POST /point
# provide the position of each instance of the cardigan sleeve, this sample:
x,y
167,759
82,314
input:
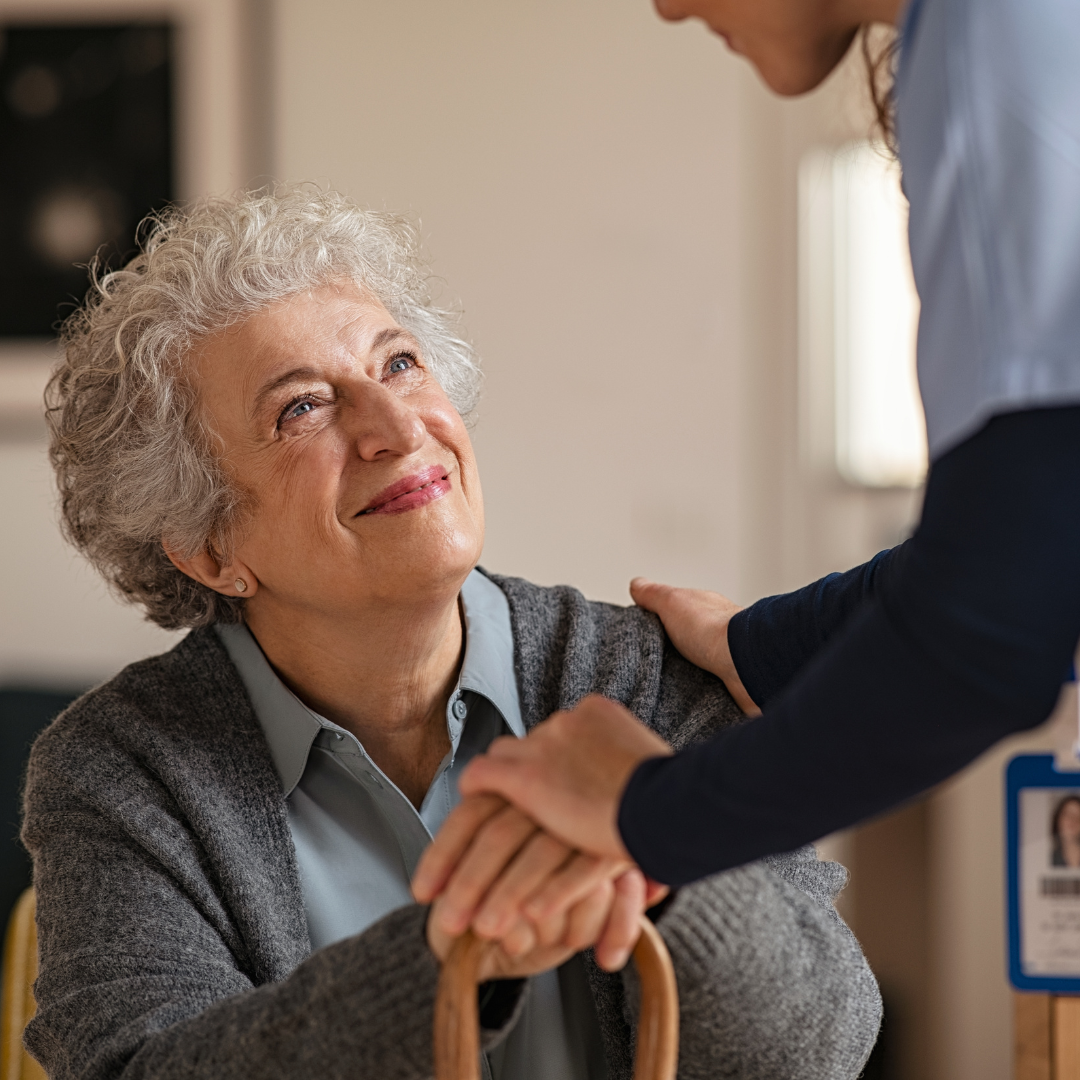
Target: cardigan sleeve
x,y
772,640
142,979
772,983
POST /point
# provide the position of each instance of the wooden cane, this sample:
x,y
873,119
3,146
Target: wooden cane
x,y
457,1025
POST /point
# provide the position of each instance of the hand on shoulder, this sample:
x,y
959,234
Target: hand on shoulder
x,y
697,620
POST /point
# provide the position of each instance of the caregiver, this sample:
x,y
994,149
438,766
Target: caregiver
x,y
878,683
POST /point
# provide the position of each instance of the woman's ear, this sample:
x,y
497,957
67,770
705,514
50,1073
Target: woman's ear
x,y
233,578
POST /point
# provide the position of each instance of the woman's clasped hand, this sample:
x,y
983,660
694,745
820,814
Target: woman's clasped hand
x,y
493,870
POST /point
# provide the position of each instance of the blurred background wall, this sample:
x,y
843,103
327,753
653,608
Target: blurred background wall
x,y
614,203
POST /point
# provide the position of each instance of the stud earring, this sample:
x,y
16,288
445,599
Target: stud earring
x,y
241,585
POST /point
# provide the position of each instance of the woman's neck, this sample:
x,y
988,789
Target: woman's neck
x,y
385,676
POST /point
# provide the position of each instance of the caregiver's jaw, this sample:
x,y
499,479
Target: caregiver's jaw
x,y
411,492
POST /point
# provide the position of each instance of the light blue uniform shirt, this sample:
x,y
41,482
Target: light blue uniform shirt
x,y
358,838
988,118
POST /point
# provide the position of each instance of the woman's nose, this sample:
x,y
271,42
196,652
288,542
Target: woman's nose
x,y
385,425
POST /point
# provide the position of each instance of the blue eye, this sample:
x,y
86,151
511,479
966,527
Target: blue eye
x,y
400,363
295,409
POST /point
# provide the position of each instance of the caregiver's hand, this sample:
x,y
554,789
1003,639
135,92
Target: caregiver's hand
x,y
697,623
491,868
569,773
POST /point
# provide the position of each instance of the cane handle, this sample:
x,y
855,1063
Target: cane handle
x,y
457,1024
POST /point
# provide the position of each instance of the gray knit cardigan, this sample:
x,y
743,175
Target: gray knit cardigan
x,y
172,931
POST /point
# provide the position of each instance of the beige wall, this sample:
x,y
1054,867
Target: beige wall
x,y
58,625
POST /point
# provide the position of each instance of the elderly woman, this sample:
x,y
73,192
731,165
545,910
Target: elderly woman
x,y
258,433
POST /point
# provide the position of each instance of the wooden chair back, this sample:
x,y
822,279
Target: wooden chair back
x,y
457,1032
17,1004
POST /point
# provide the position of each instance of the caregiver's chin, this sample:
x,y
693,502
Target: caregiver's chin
x,y
794,44
365,516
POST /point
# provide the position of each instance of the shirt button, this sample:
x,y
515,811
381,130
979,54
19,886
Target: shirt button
x,y
460,709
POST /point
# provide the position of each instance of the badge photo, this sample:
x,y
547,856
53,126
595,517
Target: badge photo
x,y
1043,838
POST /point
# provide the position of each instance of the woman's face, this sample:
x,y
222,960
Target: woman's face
x,y
794,44
1069,821
360,472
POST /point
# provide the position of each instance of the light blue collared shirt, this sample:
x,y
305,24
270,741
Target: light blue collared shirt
x,y
988,118
358,838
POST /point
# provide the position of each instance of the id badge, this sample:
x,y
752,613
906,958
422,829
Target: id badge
x,y
1043,811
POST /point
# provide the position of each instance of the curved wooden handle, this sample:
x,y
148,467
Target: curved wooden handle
x,y
457,1021
457,1024
657,1054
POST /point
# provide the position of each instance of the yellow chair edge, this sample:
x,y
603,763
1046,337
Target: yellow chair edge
x,y
16,996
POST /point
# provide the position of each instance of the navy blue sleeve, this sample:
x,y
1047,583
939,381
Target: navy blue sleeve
x,y
966,639
774,639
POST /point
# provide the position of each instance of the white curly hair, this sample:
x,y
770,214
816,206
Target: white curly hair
x,y
135,460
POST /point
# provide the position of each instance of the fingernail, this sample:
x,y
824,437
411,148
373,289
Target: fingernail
x,y
618,961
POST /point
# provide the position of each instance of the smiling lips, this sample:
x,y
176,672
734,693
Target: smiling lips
x,y
410,492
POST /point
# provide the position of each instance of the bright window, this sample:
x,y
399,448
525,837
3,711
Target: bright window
x,y
858,257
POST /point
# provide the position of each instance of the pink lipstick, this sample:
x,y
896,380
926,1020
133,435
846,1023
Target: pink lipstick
x,y
410,492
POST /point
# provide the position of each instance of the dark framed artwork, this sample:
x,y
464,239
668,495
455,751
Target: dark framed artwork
x,y
86,152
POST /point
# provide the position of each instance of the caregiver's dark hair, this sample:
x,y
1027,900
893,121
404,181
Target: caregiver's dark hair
x,y
880,46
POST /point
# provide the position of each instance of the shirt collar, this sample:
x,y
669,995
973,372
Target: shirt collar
x,y
488,667
291,727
